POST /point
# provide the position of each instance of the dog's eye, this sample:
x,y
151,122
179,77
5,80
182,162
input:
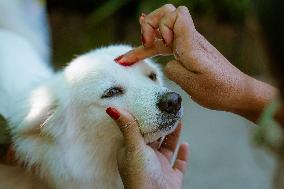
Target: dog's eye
x,y
153,76
111,92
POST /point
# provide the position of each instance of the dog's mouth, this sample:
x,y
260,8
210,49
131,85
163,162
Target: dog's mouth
x,y
161,131
151,133
163,125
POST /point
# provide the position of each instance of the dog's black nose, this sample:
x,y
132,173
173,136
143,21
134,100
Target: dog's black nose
x,y
170,103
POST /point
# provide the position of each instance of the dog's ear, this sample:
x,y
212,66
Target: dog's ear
x,y
42,106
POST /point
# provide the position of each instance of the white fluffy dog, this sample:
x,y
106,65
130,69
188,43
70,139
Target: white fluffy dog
x,y
60,128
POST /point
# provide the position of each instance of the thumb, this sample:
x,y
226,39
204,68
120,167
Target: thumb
x,y
121,163
129,128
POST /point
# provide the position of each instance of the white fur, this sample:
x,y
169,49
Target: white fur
x,y
21,69
61,127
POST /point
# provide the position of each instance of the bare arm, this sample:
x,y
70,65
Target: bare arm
x,y
199,68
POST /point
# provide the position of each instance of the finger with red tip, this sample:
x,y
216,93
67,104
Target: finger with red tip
x,y
140,53
128,127
121,60
113,113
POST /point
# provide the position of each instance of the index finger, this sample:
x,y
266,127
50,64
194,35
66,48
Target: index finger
x,y
139,53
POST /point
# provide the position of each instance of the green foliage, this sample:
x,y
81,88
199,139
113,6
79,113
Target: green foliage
x,y
106,10
232,11
227,24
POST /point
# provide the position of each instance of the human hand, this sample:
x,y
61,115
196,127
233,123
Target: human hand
x,y
199,68
17,177
141,166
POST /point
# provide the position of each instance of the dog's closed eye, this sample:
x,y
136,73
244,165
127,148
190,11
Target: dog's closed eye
x,y
153,76
112,92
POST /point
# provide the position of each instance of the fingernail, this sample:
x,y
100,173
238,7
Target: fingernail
x,y
122,62
113,113
118,59
126,63
142,39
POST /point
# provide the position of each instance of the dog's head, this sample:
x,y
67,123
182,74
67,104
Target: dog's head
x,y
66,116
96,82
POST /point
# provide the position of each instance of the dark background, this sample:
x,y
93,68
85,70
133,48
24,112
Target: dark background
x,y
230,25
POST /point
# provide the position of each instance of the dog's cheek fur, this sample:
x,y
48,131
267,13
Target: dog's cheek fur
x,y
63,138
35,134
89,153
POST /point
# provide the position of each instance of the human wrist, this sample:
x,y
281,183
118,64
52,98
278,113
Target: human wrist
x,y
256,95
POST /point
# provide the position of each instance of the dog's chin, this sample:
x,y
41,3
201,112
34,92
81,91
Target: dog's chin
x,y
159,132
166,125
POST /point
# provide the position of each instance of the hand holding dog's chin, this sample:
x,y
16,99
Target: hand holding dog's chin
x,y
141,166
148,169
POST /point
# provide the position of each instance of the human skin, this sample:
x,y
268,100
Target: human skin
x,y
15,177
201,70
143,166
198,67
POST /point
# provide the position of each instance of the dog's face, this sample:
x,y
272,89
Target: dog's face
x,y
66,130
96,82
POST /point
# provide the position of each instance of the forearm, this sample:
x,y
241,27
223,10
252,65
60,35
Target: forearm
x,y
256,96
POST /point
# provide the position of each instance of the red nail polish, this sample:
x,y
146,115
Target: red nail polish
x,y
118,58
142,39
125,63
113,113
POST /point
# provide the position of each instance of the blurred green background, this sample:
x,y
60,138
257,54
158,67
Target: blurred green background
x,y
230,25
